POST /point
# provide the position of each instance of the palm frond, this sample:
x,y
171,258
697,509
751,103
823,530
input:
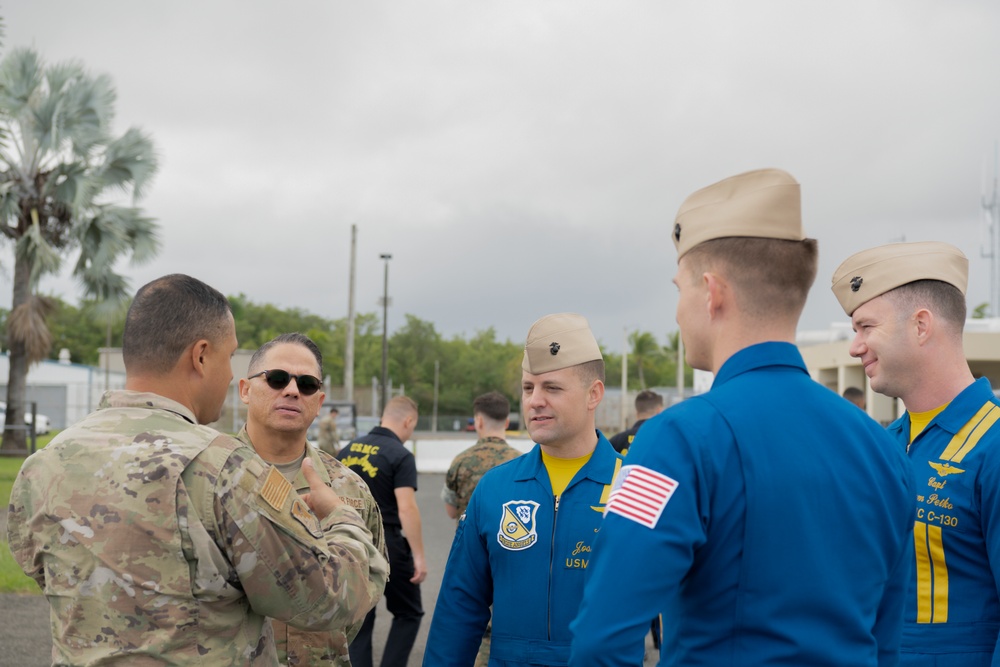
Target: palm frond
x,y
143,235
89,112
59,76
103,284
129,162
67,183
27,324
114,232
21,74
42,257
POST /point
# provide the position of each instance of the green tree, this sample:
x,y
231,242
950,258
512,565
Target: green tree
x,y
474,367
644,353
62,174
83,330
413,349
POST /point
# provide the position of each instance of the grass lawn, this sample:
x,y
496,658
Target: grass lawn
x,y
12,580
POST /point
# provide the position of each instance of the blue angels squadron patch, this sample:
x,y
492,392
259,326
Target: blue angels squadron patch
x,y
517,525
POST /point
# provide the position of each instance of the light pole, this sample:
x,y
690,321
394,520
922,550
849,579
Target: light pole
x,y
385,329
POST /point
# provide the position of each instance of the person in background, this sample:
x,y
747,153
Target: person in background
x,y
856,396
390,471
647,404
329,439
491,415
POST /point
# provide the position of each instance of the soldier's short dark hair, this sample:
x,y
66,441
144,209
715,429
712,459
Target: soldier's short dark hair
x,y
647,401
167,316
294,338
493,405
943,299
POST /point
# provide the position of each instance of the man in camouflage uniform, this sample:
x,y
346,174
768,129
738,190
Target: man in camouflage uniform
x,y
277,421
329,439
160,541
491,416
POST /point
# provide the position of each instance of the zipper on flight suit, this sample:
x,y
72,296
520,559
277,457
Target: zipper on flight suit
x,y
552,554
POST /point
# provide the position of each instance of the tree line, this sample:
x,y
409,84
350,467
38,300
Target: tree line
x,y
467,366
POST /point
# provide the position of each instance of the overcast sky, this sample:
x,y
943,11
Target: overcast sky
x,y
524,158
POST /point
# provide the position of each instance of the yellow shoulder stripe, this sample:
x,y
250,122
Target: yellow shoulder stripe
x,y
607,487
970,434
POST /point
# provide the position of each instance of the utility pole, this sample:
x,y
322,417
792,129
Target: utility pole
x,y
434,414
624,405
991,207
349,351
680,366
385,330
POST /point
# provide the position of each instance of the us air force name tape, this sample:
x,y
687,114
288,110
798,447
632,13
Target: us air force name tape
x,y
870,273
765,203
559,341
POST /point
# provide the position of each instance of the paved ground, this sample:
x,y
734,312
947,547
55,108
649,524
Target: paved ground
x,y
24,629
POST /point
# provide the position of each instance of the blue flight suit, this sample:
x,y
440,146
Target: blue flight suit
x,y
785,540
519,550
952,606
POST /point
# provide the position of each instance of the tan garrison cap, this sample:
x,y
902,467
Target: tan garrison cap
x,y
764,203
869,273
559,341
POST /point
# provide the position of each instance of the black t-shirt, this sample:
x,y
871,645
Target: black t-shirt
x,y
385,465
623,440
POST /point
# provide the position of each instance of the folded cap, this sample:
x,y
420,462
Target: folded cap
x,y
559,341
869,273
764,203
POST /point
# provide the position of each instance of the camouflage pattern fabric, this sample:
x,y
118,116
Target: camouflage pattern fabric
x,y
158,541
298,647
329,440
469,467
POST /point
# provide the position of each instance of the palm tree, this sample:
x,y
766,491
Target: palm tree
x,y
63,176
644,348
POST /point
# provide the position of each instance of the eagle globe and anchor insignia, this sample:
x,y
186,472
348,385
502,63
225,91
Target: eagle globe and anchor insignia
x,y
517,525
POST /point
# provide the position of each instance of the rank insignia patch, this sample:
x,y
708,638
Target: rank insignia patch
x,y
517,525
276,489
304,515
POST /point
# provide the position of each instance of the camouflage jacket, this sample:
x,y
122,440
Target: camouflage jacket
x,y
158,541
468,468
299,647
329,440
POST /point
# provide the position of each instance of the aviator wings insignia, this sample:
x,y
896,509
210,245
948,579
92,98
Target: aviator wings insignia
x,y
945,469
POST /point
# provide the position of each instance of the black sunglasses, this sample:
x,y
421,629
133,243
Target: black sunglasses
x,y
279,379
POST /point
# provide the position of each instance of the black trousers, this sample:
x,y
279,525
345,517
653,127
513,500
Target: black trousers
x,y
402,599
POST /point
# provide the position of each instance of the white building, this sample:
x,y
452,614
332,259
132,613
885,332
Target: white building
x,y
827,356
65,392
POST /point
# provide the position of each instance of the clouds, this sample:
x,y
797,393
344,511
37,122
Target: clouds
x,y
523,158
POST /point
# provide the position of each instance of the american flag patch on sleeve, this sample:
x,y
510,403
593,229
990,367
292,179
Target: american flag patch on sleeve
x,y
640,494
